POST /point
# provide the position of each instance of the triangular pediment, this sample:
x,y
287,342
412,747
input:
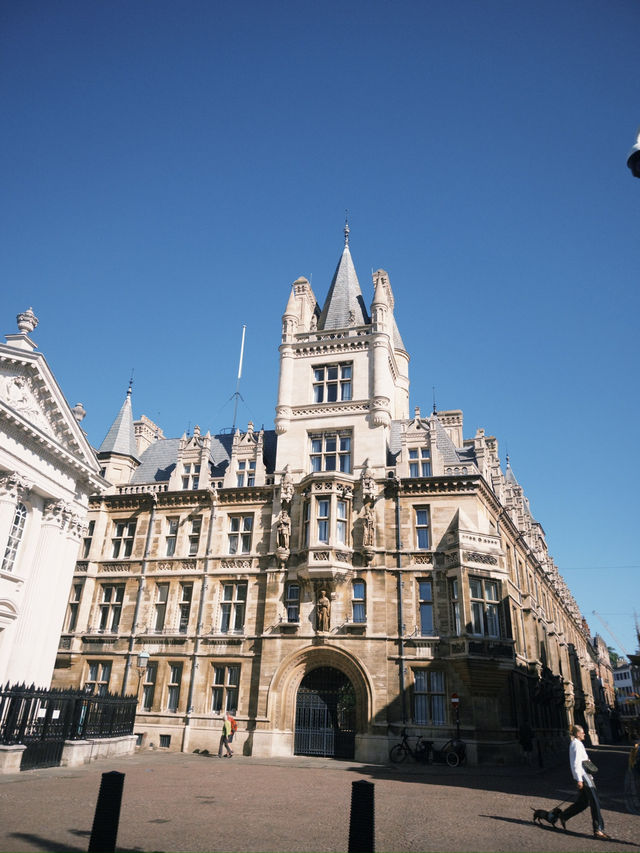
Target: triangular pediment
x,y
32,399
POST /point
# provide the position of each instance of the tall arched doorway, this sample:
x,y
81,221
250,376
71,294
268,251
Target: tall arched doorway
x,y
325,714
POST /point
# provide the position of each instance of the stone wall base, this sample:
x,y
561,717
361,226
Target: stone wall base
x,y
74,752
78,752
10,757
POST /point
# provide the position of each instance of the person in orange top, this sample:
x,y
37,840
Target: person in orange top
x,y
224,737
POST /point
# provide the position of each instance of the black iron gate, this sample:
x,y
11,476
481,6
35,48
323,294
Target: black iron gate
x,y
325,715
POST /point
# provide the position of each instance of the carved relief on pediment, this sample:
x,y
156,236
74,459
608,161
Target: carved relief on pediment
x,y
18,390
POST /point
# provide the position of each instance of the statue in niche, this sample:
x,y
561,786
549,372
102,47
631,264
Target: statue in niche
x,y
369,488
284,529
286,486
369,527
323,612
313,325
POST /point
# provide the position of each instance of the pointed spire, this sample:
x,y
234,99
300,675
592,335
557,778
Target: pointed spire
x,y
121,437
509,476
344,305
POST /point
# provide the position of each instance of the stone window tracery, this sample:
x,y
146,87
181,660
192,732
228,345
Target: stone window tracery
x,y
359,601
332,382
232,607
331,451
110,608
419,462
173,692
422,528
224,693
425,607
97,681
240,530
429,697
122,541
485,607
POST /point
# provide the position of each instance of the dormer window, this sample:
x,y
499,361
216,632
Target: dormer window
x,y
246,475
419,462
332,383
190,475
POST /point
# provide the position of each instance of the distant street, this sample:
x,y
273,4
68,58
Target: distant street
x,y
175,802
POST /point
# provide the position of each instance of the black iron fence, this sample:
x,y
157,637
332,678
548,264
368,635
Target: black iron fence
x,y
44,719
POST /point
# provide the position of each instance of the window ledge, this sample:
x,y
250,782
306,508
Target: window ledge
x,y
355,627
289,627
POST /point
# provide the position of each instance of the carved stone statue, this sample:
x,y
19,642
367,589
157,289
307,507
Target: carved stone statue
x,y
284,529
323,612
369,488
286,486
369,527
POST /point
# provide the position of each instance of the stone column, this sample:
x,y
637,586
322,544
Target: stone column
x,y
33,661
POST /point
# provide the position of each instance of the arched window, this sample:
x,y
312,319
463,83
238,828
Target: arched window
x,y
15,536
359,601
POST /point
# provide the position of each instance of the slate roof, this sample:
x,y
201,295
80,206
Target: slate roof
x,y
397,340
159,459
121,437
344,296
451,454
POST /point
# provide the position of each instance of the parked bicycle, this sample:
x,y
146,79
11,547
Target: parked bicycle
x,y
401,751
453,753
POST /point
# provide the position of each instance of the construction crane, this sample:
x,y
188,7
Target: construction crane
x,y
608,627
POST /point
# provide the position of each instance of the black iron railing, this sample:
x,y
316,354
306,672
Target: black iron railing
x,y
43,719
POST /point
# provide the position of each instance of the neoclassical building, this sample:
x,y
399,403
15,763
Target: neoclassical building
x,y
48,469
331,581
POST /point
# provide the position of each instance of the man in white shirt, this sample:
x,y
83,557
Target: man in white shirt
x,y
587,795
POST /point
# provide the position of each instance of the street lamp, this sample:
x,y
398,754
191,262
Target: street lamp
x,y
633,160
143,660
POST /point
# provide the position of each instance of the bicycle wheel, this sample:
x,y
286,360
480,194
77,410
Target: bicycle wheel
x,y
453,759
398,753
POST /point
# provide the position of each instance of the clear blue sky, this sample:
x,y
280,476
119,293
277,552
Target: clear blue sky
x,y
169,168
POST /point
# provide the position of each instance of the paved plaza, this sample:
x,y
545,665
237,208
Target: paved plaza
x,y
176,802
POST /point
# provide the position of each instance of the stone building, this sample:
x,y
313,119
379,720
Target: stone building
x,y
48,469
334,580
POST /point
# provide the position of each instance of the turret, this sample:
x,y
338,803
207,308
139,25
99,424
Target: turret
x,y
118,453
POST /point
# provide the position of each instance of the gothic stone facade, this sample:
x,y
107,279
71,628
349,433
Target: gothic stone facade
x,y
331,581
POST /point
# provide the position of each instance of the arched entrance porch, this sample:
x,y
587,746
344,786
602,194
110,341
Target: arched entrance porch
x,y
319,704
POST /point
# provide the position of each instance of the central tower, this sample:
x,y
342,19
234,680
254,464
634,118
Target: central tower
x,y
344,376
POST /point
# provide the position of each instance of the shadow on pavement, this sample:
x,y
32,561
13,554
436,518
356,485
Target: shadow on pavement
x,y
563,832
59,847
552,785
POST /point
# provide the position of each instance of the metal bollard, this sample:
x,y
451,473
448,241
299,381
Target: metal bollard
x,y
107,816
362,820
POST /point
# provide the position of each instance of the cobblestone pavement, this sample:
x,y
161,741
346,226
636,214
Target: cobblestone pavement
x,y
176,802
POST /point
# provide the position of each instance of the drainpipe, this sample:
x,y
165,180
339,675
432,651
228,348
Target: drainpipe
x,y
143,570
196,643
403,696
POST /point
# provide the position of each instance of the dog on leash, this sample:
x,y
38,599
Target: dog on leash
x,y
542,814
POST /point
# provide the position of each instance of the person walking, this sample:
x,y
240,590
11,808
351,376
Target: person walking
x,y
224,737
587,795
